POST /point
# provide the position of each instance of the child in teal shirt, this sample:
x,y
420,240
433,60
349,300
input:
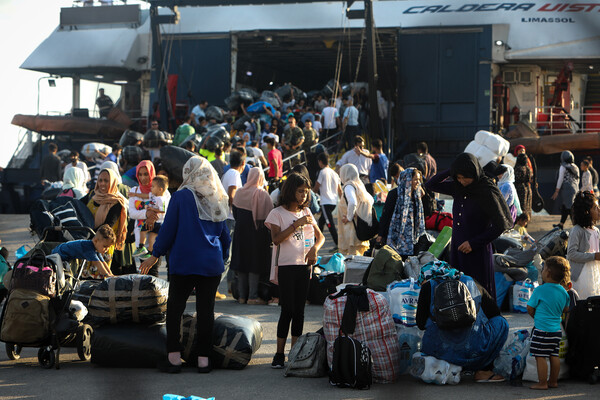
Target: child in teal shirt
x,y
546,306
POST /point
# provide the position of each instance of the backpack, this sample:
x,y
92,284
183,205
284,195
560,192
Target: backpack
x,y
453,306
35,273
553,243
386,267
26,318
352,364
308,357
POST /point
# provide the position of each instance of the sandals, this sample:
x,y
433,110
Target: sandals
x,y
499,378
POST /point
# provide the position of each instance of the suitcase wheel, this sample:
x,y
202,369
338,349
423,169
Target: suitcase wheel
x,y
84,341
13,351
46,357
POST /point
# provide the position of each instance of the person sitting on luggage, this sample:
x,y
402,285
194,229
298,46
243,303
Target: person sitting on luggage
x,y
546,306
521,226
472,347
402,221
90,250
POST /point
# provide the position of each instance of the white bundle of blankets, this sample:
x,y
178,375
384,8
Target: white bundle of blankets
x,y
488,147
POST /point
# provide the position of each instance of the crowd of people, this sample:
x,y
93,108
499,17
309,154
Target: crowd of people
x,y
251,222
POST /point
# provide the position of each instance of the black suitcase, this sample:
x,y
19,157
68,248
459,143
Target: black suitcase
x,y
583,329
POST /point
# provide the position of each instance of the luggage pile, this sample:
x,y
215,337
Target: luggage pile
x,y
487,146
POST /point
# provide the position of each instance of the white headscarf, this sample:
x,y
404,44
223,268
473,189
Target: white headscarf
x,y
74,179
506,184
349,176
114,167
200,178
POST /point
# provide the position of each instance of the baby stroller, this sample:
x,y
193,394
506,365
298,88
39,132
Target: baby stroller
x,y
42,287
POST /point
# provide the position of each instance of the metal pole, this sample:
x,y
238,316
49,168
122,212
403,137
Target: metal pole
x,y
157,64
374,122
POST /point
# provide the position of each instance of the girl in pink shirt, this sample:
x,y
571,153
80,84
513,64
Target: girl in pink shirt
x,y
297,240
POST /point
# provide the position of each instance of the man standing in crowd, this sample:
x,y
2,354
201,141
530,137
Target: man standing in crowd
x,y
320,103
183,131
351,127
430,163
104,103
50,168
198,111
310,136
379,168
293,137
331,121
115,154
275,160
357,157
328,185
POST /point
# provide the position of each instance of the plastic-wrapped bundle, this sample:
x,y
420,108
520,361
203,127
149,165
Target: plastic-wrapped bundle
x,y
154,138
284,91
216,113
93,151
195,138
432,370
240,123
510,363
235,339
129,345
243,96
133,155
84,290
129,298
173,158
130,138
270,97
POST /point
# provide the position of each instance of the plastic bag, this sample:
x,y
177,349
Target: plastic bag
x,y
334,264
522,292
510,363
588,283
130,138
409,339
530,372
404,296
432,370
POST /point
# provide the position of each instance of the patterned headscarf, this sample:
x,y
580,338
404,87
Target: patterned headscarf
x,y
106,201
408,221
200,178
438,270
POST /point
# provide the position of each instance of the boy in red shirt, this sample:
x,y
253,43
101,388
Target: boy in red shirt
x,y
275,160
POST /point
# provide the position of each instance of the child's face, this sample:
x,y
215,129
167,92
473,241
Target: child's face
x,y
583,167
302,194
157,190
101,244
522,222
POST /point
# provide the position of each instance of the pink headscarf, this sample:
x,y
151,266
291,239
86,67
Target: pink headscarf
x,y
150,168
253,197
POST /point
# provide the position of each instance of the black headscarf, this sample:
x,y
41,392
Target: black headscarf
x,y
483,190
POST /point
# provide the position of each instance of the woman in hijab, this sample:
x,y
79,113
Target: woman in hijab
x,y
480,216
567,186
250,255
138,198
195,237
523,180
123,189
402,221
507,188
74,184
109,207
356,201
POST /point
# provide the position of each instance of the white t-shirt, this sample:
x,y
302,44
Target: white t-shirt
x,y
293,250
198,112
317,126
329,181
161,203
362,163
231,178
329,115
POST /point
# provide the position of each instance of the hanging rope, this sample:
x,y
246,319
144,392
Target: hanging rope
x,y
362,41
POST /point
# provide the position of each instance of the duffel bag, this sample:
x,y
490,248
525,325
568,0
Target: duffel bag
x,y
35,272
84,290
438,220
129,298
26,318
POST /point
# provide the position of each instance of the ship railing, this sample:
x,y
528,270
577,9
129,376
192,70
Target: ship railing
x,y
555,120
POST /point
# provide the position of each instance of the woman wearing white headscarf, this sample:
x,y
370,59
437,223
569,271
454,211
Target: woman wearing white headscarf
x,y
567,186
195,235
356,201
74,183
506,184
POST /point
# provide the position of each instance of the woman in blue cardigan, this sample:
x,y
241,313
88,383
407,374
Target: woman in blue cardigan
x,y
195,235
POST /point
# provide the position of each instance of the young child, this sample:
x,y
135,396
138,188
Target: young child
x,y
521,227
297,240
586,177
546,305
157,201
90,250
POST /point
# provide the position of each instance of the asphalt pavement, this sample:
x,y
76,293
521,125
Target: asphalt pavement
x,y
77,380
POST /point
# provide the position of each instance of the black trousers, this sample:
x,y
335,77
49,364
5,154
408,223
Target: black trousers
x,y
180,287
564,214
293,290
328,209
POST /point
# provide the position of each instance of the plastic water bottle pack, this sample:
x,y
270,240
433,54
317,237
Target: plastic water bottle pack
x,y
510,363
431,370
409,338
403,297
522,292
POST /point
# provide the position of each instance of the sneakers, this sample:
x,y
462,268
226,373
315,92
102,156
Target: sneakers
x,y
278,361
145,256
140,251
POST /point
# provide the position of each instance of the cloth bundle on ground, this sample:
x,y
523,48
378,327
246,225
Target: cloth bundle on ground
x,y
487,147
154,139
130,138
553,243
62,211
409,340
374,326
129,345
413,264
84,289
95,151
129,298
235,339
386,267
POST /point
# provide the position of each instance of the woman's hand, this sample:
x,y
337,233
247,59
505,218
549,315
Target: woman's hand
x,y
465,247
311,257
151,216
147,264
344,219
555,194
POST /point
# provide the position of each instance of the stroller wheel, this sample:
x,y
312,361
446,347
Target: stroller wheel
x,y
84,341
13,351
46,358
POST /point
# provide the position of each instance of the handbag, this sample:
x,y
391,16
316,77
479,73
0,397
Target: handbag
x,y
364,231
